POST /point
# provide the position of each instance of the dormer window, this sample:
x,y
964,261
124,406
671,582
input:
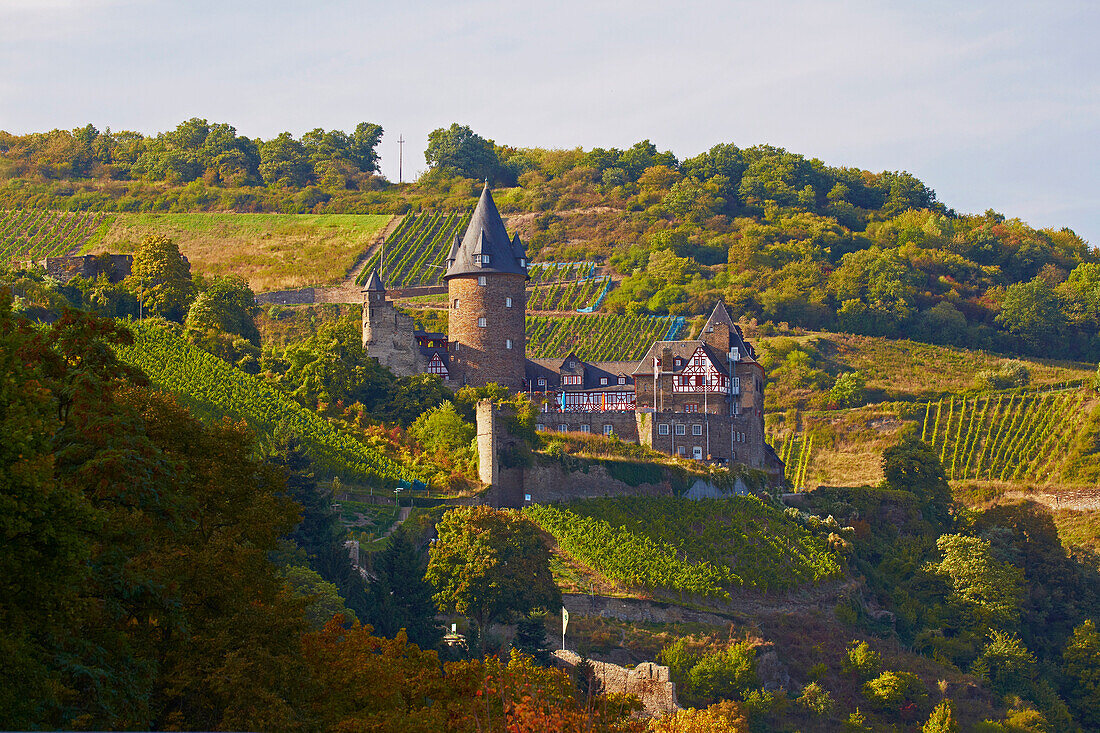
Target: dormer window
x,y
484,260
677,363
523,262
622,380
603,381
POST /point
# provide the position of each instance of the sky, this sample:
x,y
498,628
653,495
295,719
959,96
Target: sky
x,y
993,104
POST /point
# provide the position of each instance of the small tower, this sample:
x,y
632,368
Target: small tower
x,y
487,298
389,336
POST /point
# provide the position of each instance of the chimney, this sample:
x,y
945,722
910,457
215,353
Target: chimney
x,y
666,359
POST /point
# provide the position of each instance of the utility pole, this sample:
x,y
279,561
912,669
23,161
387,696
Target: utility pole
x,y
400,155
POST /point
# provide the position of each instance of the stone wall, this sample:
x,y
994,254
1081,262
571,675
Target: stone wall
x,y
649,682
388,336
63,269
302,296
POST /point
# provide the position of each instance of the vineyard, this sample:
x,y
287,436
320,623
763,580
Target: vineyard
x,y
571,295
417,250
796,452
212,389
599,337
1004,437
702,548
32,234
543,273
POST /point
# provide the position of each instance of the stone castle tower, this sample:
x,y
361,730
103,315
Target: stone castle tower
x,y
487,301
388,334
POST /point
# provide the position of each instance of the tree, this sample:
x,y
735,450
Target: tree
x,y
490,565
1032,312
403,598
942,719
1081,660
443,429
531,638
1006,664
324,598
161,278
912,465
460,151
849,390
226,304
986,587
284,160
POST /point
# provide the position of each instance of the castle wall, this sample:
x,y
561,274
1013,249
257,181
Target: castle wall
x,y
63,269
478,353
649,682
623,424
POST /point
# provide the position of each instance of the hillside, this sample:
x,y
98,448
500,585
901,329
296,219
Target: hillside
x,y
214,390
270,251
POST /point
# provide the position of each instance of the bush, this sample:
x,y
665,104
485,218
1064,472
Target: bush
x,y
1010,374
892,690
862,660
849,390
816,699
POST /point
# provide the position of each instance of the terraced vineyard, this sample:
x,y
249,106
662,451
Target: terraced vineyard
x,y
1004,438
571,295
31,234
598,337
212,389
417,250
702,548
542,273
796,451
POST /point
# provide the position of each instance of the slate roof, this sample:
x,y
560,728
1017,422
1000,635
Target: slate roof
x,y
552,369
684,350
485,235
374,283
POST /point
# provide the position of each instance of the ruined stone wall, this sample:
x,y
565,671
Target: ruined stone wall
x,y
649,682
302,296
63,269
388,337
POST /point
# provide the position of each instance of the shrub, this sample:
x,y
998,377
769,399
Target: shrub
x,y
1008,375
862,660
816,699
849,390
892,690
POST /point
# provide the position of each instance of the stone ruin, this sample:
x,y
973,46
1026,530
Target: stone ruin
x,y
649,682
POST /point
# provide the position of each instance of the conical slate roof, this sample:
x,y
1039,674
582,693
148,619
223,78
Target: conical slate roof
x,y
485,236
374,282
719,315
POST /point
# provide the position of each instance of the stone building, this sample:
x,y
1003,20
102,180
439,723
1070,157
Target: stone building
x,y
63,269
698,398
392,337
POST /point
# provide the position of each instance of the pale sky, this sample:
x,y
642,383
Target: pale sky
x,y
994,104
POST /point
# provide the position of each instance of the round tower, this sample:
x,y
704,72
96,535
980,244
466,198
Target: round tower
x,y
487,302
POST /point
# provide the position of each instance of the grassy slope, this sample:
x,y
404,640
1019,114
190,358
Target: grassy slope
x,y
271,251
214,390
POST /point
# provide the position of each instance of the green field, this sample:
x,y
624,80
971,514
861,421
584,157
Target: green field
x,y
212,390
417,249
701,548
270,251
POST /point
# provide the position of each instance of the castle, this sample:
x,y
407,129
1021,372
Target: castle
x,y
698,398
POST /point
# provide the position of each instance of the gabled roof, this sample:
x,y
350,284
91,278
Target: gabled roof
x,y
374,283
485,235
683,350
719,315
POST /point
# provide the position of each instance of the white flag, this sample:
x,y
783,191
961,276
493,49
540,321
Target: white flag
x,y
564,619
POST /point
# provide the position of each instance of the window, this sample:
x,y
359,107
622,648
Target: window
x,y
507,343
523,262
662,429
680,429
563,428
456,345
622,380
697,452
691,407
480,279
484,260
679,450
586,428
603,381
696,429
507,302
539,426
481,323
737,407
456,304
572,364
677,362
571,379
542,381
608,429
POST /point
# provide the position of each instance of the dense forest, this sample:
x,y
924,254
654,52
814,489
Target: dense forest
x,y
782,237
